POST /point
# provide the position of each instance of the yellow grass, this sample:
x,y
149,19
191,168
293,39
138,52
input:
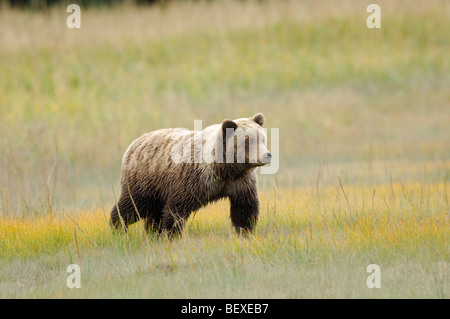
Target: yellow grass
x,y
309,233
399,216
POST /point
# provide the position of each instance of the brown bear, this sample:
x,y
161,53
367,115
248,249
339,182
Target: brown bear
x,y
169,173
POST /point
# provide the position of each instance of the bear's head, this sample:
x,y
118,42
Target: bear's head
x,y
245,141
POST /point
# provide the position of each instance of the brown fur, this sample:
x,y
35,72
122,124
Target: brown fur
x,y
165,193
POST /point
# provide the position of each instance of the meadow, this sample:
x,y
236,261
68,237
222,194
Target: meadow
x,y
363,114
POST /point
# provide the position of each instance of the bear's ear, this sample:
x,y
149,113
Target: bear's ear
x,y
259,119
228,124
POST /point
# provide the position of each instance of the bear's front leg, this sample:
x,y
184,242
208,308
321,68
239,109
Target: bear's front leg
x,y
244,210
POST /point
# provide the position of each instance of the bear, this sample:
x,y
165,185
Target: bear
x,y
170,173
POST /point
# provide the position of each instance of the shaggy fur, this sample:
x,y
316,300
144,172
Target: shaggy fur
x,y
165,193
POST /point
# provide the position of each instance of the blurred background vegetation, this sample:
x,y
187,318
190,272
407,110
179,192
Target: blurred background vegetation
x,y
45,4
368,105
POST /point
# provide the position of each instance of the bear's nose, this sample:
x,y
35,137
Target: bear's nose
x,y
268,157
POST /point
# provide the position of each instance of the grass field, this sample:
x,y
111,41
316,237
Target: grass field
x,y
364,125
308,245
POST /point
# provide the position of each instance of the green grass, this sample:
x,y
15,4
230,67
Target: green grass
x,y
367,107
305,245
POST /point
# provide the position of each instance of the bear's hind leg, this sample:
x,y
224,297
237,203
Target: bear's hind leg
x,y
126,212
172,222
153,223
